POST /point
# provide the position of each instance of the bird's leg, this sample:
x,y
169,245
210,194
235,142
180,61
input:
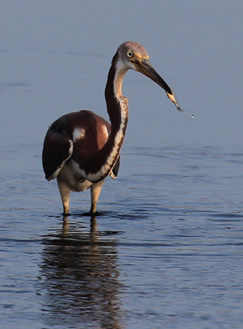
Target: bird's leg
x,y
65,195
95,193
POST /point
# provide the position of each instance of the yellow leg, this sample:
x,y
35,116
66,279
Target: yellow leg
x,y
65,196
95,193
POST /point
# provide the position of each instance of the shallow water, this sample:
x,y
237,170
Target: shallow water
x,y
166,252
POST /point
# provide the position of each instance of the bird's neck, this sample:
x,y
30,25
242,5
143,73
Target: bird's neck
x,y
117,108
117,104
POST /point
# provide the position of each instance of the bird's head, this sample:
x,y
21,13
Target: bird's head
x,y
133,55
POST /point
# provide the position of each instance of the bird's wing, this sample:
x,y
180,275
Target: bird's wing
x,y
58,148
80,135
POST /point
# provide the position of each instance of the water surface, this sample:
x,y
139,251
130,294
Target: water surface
x,y
165,253
167,250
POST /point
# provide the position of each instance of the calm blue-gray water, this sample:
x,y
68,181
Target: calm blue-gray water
x,y
166,252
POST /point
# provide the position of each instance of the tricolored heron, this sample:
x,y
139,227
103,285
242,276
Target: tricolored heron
x,y
81,148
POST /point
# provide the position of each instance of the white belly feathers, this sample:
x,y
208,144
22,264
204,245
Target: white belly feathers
x,y
71,176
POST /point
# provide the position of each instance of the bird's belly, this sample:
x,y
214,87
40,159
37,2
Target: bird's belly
x,y
71,177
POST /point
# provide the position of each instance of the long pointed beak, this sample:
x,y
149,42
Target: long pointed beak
x,y
147,69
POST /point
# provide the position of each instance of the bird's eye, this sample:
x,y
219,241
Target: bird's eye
x,y
130,53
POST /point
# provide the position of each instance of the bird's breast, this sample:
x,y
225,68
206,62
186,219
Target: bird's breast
x,y
73,177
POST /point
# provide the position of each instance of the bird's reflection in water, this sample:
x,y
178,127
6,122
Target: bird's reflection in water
x,y
79,278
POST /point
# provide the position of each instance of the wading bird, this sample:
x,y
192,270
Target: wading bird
x,y
81,148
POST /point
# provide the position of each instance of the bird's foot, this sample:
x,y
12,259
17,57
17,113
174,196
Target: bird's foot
x,y
66,214
92,214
